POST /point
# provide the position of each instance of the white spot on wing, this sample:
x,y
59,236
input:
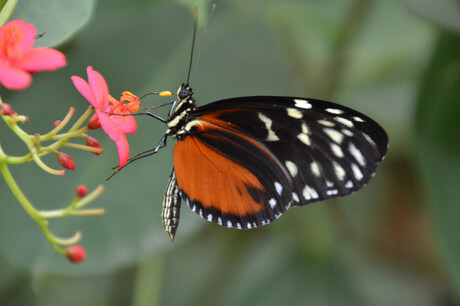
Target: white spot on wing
x,y
349,184
369,139
334,111
219,221
268,125
300,103
347,132
332,192
305,129
326,123
357,172
249,226
359,119
209,217
336,150
292,168
238,225
344,121
334,135
304,138
272,203
315,169
279,188
339,171
295,197
357,154
294,113
309,193
229,223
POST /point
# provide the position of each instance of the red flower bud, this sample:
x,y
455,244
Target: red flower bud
x,y
75,253
65,161
93,122
81,191
92,142
57,122
5,109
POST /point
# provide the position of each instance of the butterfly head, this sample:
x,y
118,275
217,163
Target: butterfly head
x,y
180,109
184,92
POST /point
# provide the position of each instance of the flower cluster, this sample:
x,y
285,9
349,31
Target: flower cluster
x,y
97,93
18,61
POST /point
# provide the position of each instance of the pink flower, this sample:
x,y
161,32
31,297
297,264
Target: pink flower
x,y
97,93
18,60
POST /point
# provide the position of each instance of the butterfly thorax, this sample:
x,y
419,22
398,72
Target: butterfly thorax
x,y
179,116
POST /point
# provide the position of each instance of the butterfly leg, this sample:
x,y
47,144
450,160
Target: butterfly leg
x,y
161,144
171,206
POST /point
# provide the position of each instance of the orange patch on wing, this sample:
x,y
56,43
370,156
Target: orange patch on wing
x,y
214,180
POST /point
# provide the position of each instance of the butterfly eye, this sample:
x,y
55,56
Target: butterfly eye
x,y
185,93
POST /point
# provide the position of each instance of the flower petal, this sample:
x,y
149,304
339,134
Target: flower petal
x,y
127,124
109,127
123,150
14,78
83,87
99,86
37,59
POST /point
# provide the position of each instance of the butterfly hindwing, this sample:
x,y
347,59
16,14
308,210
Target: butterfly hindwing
x,y
229,178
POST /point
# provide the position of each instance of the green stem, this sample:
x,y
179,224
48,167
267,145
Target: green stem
x,y
60,126
66,241
82,119
45,167
28,207
65,213
84,148
90,197
65,137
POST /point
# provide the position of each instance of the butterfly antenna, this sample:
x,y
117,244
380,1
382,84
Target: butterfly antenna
x,y
195,22
213,7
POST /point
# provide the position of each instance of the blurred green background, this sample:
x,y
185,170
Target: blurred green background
x,y
396,242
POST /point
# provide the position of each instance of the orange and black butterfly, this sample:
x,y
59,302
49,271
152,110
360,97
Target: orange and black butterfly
x,y
242,162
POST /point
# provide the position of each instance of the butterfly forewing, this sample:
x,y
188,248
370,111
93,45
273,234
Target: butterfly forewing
x,y
325,150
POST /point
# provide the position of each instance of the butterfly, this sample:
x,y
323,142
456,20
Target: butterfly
x,y
242,162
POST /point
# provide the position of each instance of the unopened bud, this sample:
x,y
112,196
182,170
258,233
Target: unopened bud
x,y
66,161
93,122
81,191
75,253
57,123
5,109
92,142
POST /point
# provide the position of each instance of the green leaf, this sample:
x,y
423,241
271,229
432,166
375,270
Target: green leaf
x,y
60,20
438,144
7,7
